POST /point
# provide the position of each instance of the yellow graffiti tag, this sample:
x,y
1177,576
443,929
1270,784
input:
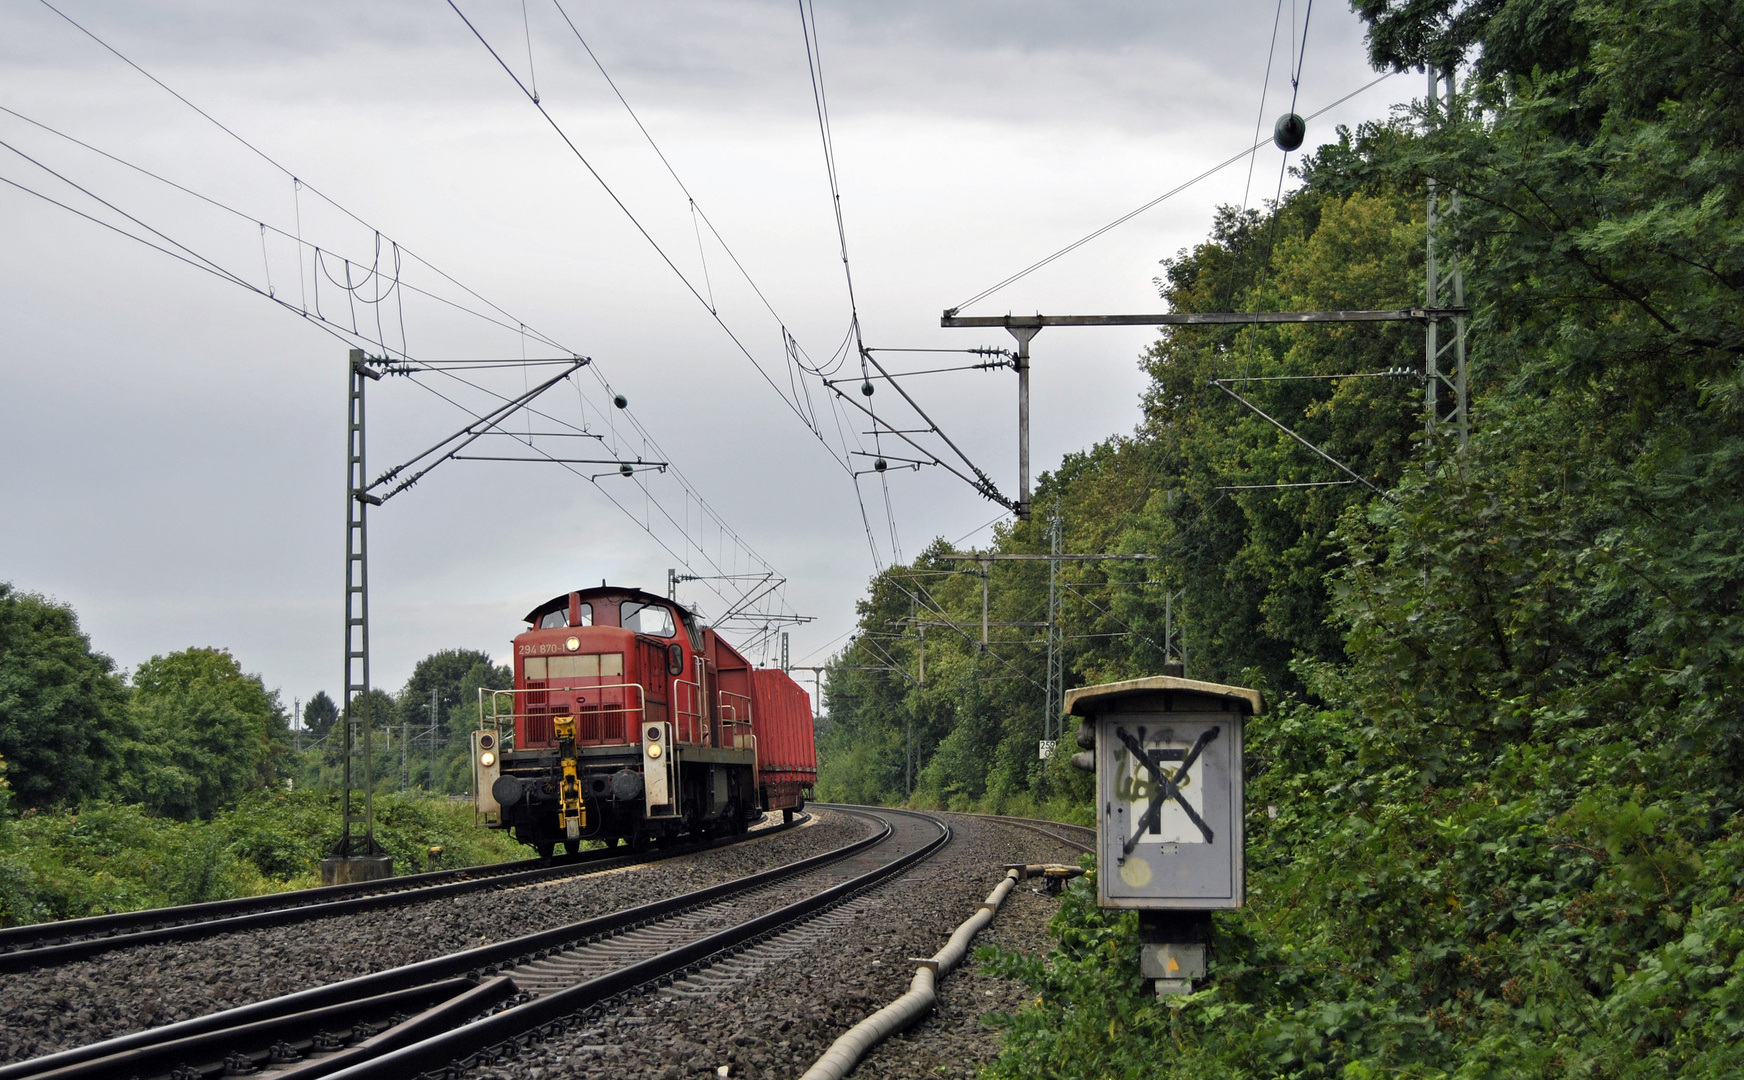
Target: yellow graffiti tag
x,y
1139,789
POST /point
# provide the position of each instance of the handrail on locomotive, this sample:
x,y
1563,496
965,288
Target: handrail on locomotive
x,y
492,720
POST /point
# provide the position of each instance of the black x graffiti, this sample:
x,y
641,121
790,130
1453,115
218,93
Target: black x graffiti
x,y
1165,788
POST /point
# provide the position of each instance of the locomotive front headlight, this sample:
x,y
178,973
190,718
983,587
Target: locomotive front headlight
x,y
487,759
654,750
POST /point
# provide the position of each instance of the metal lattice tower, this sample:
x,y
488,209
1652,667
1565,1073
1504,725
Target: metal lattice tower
x,y
1436,280
352,843
1054,706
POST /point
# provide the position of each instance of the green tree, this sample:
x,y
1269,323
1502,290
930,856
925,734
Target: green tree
x,y
323,765
445,673
1508,839
208,733
63,724
454,768
1190,486
320,714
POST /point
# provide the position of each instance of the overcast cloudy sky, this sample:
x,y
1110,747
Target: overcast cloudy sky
x,y
173,444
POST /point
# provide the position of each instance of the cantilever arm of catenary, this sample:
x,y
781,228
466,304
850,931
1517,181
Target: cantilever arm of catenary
x,y
470,433
1334,461
980,482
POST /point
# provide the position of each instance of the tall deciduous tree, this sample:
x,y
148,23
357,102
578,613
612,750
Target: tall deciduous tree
x,y
62,716
208,733
444,672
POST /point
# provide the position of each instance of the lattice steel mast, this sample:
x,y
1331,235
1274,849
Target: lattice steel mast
x,y
356,682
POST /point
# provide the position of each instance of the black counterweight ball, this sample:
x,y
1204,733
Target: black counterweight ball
x,y
1290,132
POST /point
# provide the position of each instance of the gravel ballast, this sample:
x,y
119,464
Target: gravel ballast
x,y
780,1019
148,986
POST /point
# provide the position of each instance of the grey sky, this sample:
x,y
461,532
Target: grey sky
x,y
173,445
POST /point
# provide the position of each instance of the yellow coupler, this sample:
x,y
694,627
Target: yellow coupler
x,y
571,813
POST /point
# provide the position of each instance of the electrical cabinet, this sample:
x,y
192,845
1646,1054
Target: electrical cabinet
x,y
1168,761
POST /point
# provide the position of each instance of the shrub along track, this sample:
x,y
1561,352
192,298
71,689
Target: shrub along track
x,y
45,944
402,1021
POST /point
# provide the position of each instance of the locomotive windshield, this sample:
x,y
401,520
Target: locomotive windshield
x,y
652,619
557,620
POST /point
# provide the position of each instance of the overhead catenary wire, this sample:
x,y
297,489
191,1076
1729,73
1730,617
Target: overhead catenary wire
x,y
697,209
814,63
711,560
793,400
1265,88
1299,57
376,280
798,394
640,228
1159,200
814,67
820,102
298,184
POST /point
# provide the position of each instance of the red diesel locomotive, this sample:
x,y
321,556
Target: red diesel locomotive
x,y
630,720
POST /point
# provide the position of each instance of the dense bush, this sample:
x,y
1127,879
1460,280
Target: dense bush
x,y
1519,921
108,857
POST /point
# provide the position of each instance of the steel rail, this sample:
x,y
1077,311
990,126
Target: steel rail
x,y
482,1038
1043,826
43,944
325,1007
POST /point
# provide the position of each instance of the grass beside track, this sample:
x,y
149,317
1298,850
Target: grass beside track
x,y
103,858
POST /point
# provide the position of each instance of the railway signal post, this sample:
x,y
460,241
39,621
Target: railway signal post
x,y
1167,753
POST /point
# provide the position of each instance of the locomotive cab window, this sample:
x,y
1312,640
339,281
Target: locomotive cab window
x,y
557,620
652,619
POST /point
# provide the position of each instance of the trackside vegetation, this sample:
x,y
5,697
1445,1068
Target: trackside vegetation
x,y
182,781
104,857
1504,750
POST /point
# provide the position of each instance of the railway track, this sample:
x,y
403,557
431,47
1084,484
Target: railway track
x,y
472,1005
1082,837
47,944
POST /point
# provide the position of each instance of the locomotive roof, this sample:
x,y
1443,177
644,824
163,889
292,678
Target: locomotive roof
x,y
622,591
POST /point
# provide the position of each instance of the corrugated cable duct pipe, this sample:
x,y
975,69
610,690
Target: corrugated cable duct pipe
x,y
847,1051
